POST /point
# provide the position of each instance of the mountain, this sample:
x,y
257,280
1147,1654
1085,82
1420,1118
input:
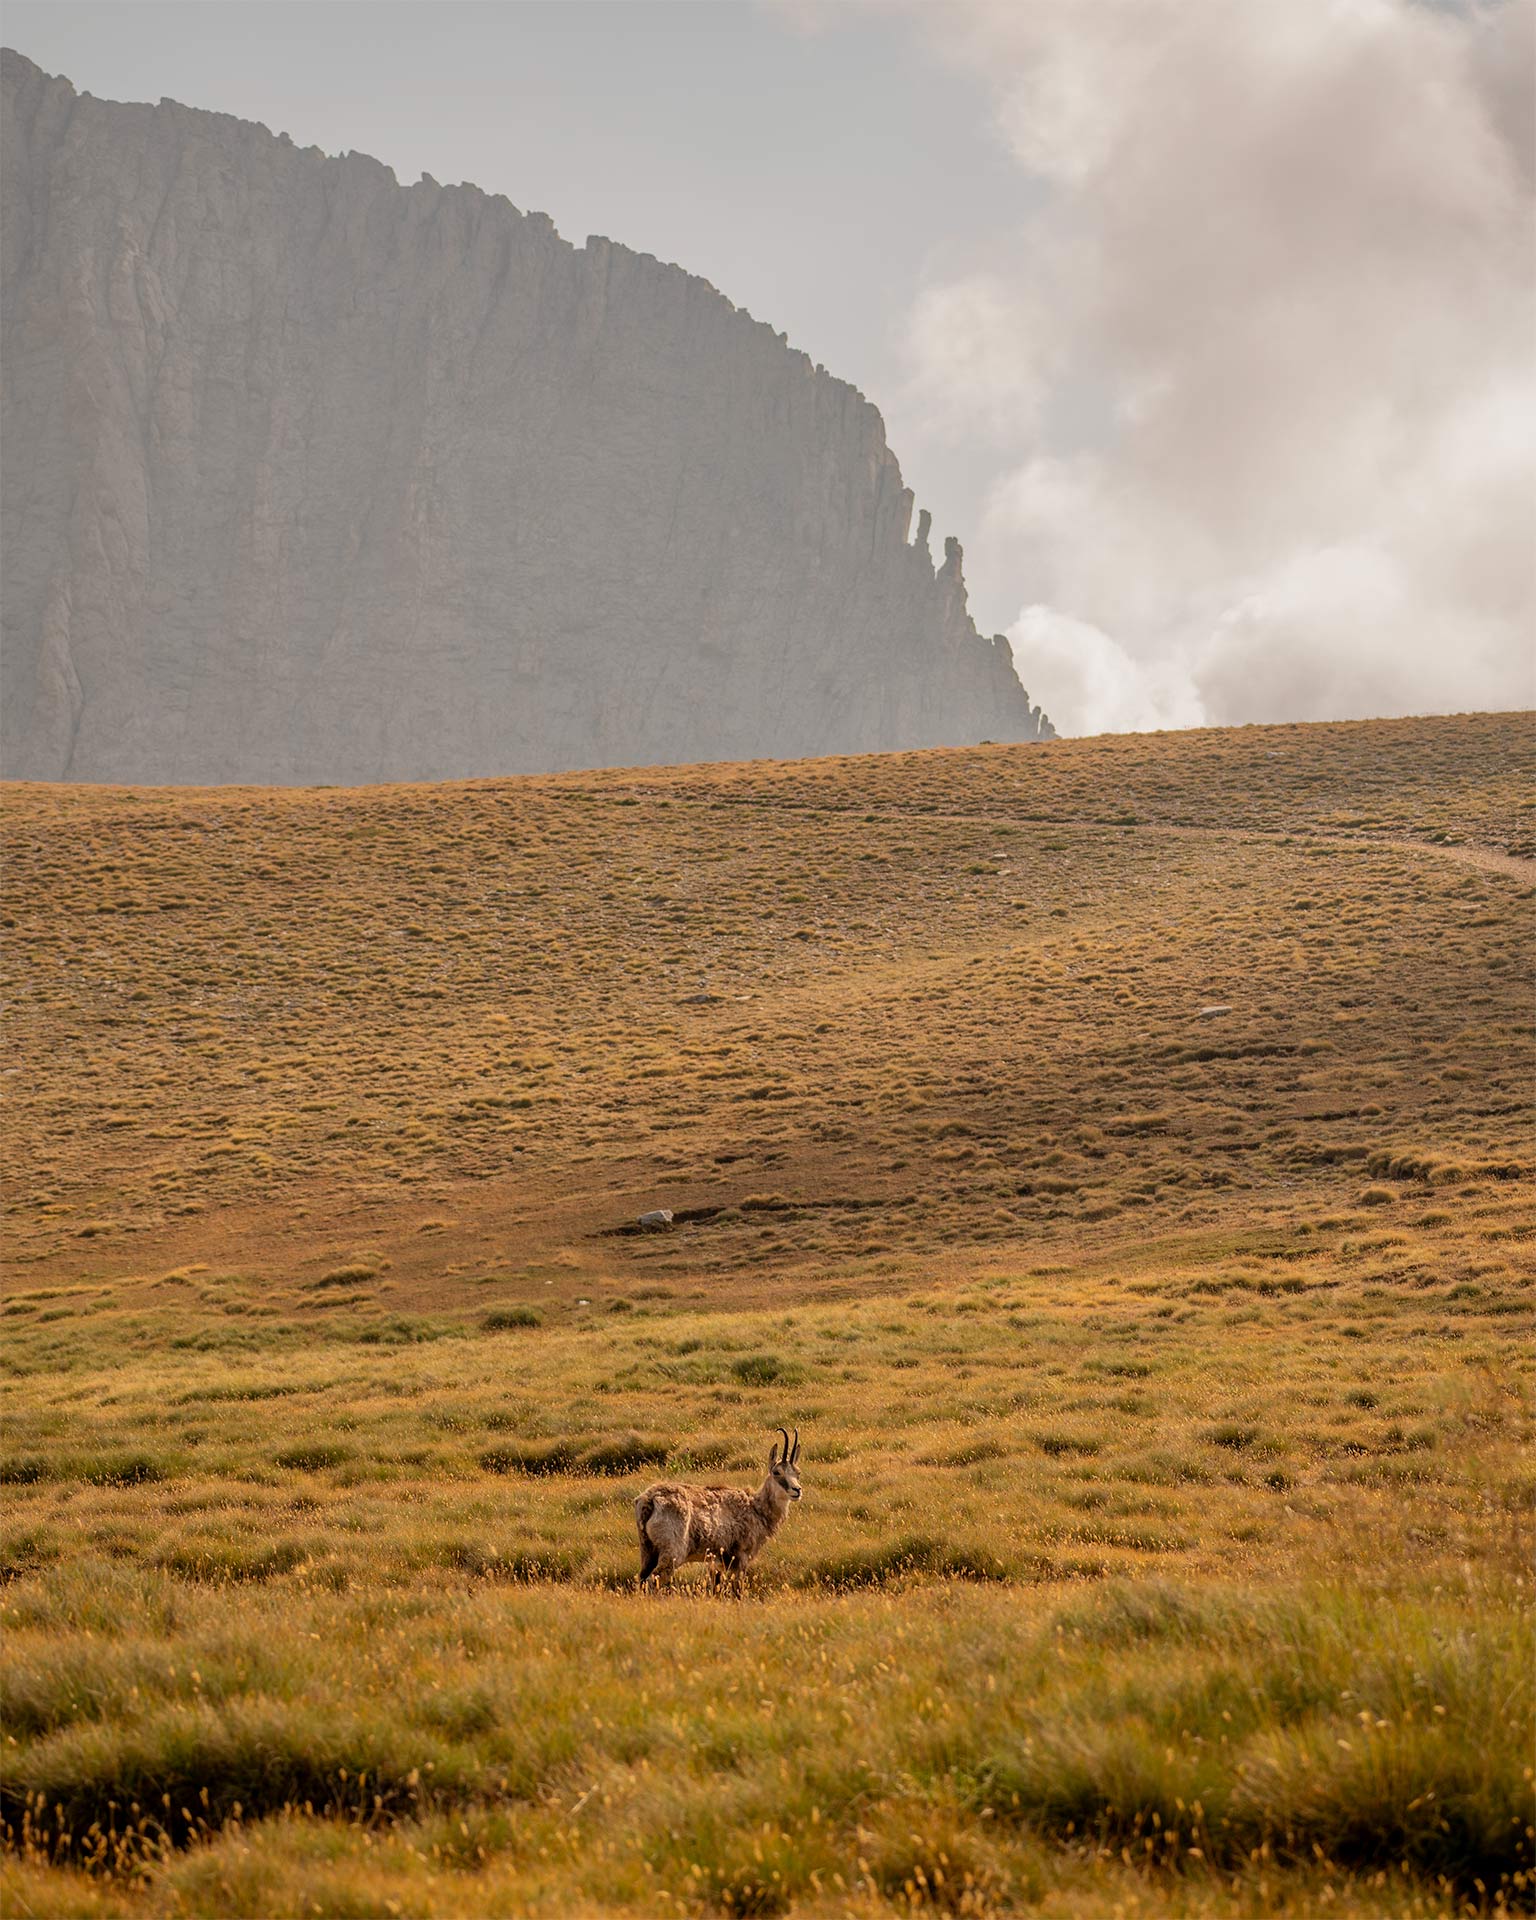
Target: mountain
x,y
313,477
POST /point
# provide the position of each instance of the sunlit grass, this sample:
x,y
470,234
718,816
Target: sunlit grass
x,y
1080,1584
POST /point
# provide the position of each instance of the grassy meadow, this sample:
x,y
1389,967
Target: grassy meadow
x,y
1114,1157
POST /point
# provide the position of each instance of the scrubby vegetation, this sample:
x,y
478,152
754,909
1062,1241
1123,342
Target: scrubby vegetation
x,y
1136,1225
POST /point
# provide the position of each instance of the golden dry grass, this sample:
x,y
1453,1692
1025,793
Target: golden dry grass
x,y
477,1025
1164,1371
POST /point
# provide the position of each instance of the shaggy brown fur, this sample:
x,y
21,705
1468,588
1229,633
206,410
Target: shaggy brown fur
x,y
729,1526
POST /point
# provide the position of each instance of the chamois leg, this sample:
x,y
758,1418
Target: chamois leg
x,y
663,1544
663,1568
645,1510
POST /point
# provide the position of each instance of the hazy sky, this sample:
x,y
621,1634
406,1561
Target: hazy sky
x,y
1205,324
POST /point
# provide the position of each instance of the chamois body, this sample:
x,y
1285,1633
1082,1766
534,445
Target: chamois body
x,y
728,1526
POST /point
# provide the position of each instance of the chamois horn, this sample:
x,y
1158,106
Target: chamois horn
x,y
795,1450
785,1455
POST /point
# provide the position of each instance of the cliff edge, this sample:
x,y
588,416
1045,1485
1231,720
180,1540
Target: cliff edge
x,y
310,476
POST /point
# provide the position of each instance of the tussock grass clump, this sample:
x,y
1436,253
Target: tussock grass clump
x,y
556,1456
240,1390
1322,1732
92,1469
702,1455
969,1453
186,1769
313,1456
763,1370
400,1330
225,1562
1128,1615
505,1319
627,1453
1063,1446
346,1276
901,1559
1139,1123
473,1557
932,1859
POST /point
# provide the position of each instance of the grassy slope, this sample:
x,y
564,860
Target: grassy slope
x,y
1163,1375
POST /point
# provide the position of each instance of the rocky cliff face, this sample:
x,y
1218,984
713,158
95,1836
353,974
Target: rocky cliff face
x,y
309,476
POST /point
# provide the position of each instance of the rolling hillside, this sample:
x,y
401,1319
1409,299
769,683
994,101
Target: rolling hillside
x,y
833,1010
1114,1157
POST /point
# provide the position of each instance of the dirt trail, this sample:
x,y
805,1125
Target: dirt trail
x,y
1486,859
1483,857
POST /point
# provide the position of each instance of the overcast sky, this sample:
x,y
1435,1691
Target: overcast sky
x,y
1206,325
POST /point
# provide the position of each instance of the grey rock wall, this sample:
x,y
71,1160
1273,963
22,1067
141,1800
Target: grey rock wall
x,y
309,476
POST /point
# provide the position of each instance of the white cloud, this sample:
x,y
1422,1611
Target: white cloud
x,y
1077,669
979,354
1292,244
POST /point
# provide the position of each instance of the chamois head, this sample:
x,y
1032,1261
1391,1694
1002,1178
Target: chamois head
x,y
783,1468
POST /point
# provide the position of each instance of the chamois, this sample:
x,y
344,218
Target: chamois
x,y
728,1525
